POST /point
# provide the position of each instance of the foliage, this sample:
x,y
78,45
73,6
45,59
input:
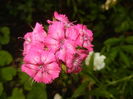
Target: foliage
x,y
112,37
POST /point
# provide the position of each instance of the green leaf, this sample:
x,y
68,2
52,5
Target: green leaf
x,y
1,88
113,53
4,35
25,80
129,39
80,90
112,41
124,58
38,92
124,26
28,85
91,64
23,77
92,77
101,92
127,48
3,95
5,58
17,94
8,73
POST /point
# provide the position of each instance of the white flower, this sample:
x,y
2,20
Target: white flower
x,y
57,96
98,60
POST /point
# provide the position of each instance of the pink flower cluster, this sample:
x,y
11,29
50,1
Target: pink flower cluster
x,y
63,43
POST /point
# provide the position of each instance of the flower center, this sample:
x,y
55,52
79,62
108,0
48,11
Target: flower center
x,y
43,68
45,48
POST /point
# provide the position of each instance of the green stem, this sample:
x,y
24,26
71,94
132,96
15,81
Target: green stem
x,y
120,80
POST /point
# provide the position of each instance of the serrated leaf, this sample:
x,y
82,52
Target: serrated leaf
x,y
8,73
80,90
5,58
17,94
4,35
1,88
38,92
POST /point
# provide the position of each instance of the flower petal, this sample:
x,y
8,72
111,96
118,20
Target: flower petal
x,y
61,17
56,30
33,57
38,33
29,69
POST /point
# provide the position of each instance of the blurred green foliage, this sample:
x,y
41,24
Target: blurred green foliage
x,y
113,37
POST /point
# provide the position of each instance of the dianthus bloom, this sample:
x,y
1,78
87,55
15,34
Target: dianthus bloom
x,y
98,60
63,43
42,66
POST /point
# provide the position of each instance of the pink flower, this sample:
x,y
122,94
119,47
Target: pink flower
x,y
32,46
41,66
63,43
35,39
28,38
61,17
38,33
58,42
85,37
56,30
74,62
66,49
72,33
